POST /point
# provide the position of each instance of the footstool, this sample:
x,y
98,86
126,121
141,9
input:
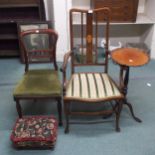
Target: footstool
x,y
35,131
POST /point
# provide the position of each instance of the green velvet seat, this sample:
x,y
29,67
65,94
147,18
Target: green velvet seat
x,y
39,83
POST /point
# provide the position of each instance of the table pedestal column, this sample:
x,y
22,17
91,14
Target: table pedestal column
x,y
124,79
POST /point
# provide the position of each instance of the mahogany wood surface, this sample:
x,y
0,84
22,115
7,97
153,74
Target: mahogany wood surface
x,y
130,57
121,10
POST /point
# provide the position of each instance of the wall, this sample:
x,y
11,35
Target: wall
x,y
85,3
61,12
58,9
150,8
141,6
150,12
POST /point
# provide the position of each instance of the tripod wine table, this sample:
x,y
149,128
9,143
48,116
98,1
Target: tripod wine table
x,y
126,58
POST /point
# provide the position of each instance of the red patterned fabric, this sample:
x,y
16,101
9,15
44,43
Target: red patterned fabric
x,y
35,131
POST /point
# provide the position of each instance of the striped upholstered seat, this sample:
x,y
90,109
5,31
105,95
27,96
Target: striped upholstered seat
x,y
92,86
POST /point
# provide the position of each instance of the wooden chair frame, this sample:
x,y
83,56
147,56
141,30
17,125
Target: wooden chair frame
x,y
89,62
53,60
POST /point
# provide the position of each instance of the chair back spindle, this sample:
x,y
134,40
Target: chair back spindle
x,y
86,50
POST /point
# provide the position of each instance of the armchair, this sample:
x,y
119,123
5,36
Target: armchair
x,y
89,87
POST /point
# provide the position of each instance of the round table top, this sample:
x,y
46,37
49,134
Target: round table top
x,y
130,56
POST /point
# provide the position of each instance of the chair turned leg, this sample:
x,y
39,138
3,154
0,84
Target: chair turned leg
x,y
19,109
59,107
66,111
118,111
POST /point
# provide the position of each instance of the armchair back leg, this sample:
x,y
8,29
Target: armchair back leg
x,y
118,112
67,113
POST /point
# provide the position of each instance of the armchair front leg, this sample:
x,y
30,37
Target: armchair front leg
x,y
64,67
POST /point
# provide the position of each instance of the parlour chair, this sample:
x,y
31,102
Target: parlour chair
x,y
37,84
92,88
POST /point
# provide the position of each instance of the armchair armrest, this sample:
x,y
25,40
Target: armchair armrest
x,y
63,68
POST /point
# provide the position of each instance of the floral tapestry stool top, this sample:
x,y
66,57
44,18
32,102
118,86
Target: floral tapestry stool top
x,y
35,131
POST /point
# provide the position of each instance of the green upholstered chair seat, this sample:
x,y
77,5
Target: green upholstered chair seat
x,y
94,86
38,83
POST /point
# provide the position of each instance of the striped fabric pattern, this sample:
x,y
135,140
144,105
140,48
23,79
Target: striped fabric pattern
x,y
91,86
